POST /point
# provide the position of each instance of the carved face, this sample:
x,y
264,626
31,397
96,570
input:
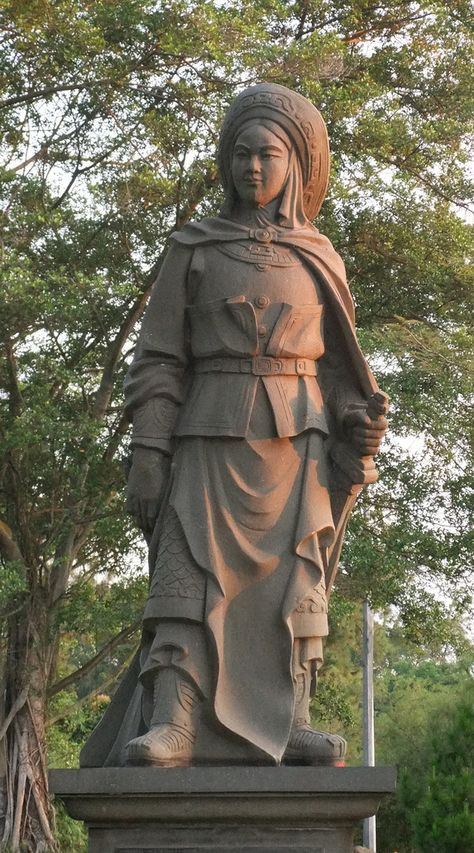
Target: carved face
x,y
259,165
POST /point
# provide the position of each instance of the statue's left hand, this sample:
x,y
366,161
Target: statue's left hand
x,y
365,433
146,486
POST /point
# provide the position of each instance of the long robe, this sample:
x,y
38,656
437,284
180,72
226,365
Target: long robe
x,y
251,510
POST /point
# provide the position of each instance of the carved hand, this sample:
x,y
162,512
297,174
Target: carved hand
x,y
365,433
146,485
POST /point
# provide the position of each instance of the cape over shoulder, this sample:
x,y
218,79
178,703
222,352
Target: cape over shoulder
x,y
317,252
307,241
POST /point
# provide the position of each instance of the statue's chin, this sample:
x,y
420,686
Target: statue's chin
x,y
252,200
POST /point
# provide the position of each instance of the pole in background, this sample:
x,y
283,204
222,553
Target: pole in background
x,y
370,833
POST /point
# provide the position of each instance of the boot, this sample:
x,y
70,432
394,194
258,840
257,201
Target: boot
x,y
305,744
170,740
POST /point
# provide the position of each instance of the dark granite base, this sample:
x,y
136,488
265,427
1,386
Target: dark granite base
x,y
222,809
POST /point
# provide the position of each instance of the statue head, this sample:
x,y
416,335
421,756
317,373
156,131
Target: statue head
x,y
285,137
260,162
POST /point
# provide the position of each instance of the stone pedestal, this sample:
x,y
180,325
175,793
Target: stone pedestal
x,y
222,809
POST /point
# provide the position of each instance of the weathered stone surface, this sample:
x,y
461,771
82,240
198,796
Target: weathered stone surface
x,y
249,377
214,809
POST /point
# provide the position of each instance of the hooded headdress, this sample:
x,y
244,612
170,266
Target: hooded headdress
x,y
302,123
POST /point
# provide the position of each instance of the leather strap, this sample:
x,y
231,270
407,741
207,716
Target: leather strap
x,y
259,365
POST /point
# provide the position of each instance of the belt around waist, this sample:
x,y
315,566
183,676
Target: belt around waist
x,y
259,365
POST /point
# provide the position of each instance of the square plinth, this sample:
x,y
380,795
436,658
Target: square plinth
x,y
222,809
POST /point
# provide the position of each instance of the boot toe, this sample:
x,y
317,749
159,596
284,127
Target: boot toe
x,y
308,746
163,746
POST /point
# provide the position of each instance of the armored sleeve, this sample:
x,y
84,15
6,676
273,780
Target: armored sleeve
x,y
338,380
155,382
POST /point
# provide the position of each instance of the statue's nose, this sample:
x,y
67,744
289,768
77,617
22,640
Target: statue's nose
x,y
254,165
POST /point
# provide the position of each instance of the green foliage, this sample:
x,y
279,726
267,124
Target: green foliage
x,y
444,820
336,706
71,834
67,736
102,609
109,115
12,584
418,701
423,727
333,705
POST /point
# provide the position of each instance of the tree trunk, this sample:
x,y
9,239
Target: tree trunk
x,y
28,813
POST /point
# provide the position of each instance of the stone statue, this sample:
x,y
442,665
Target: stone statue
x,y
255,422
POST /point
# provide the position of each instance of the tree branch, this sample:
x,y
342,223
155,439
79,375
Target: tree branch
x,y
16,399
38,155
45,93
402,165
79,674
66,712
208,180
104,391
9,548
17,706
116,438
393,25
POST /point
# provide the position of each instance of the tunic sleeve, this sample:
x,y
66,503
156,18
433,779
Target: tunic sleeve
x,y
155,383
339,385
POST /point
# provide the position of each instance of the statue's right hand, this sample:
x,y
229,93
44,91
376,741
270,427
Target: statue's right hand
x,y
146,485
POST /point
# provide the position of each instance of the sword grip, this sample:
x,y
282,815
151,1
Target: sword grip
x,y
378,405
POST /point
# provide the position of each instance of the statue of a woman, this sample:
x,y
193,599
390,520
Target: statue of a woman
x,y
254,414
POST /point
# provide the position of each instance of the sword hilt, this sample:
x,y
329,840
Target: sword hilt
x,y
378,405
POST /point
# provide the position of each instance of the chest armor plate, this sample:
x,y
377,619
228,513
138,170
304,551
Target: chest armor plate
x,y
253,298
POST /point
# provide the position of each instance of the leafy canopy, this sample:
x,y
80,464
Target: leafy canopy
x,y
109,114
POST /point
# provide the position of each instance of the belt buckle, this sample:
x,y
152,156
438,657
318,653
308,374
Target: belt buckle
x,y
300,366
261,365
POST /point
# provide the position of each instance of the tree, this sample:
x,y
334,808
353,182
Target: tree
x,y
423,726
109,115
444,820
